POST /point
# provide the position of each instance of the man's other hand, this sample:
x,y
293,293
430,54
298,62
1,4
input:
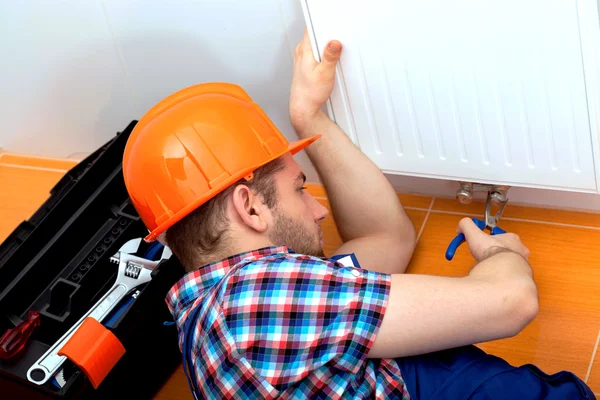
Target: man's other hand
x,y
312,82
483,245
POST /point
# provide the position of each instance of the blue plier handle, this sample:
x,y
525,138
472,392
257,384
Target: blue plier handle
x,y
460,238
489,223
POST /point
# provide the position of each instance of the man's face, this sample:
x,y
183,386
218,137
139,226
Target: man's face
x,y
298,215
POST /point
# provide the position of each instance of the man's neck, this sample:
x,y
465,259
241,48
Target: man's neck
x,y
247,245
236,247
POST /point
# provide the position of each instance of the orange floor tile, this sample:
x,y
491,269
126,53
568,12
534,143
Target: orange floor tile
x,y
22,191
37,162
565,259
594,379
176,388
414,201
332,236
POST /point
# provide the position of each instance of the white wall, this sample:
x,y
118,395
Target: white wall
x,y
74,72
64,89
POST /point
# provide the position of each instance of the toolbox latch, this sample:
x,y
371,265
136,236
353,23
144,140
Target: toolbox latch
x,y
94,349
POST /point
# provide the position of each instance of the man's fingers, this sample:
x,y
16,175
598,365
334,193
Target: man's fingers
x,y
468,228
306,47
305,43
301,46
331,55
304,54
332,52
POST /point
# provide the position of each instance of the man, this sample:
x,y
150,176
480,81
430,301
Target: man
x,y
263,314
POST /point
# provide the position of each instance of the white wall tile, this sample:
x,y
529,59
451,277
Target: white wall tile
x,y
167,46
63,87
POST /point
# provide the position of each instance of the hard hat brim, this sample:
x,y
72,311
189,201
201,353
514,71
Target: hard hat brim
x,y
293,148
299,145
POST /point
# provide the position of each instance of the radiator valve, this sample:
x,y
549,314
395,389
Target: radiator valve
x,y
498,193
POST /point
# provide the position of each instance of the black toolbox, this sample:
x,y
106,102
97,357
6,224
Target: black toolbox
x,y
58,264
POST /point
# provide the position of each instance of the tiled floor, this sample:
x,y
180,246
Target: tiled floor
x,y
25,183
565,258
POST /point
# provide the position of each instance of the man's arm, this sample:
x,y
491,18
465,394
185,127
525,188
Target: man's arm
x,y
370,219
429,313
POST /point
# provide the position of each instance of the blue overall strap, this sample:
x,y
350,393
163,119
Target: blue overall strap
x,y
347,260
188,368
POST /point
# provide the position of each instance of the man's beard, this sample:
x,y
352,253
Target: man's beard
x,y
295,235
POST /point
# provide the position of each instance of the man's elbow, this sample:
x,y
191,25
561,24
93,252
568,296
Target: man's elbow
x,y
524,306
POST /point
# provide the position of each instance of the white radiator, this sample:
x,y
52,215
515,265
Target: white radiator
x,y
480,91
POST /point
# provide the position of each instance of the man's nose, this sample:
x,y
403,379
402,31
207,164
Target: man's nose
x,y
321,212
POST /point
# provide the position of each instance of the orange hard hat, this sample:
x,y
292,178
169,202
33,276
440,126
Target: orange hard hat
x,y
191,146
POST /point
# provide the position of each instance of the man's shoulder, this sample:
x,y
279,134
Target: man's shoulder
x,y
286,261
283,268
292,258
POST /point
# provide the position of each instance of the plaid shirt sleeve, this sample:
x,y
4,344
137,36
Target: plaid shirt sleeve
x,y
290,316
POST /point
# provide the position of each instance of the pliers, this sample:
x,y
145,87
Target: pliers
x,y
490,223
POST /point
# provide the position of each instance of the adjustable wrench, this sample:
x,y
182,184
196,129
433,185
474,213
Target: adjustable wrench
x,y
133,271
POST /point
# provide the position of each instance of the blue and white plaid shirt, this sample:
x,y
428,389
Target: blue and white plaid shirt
x,y
276,324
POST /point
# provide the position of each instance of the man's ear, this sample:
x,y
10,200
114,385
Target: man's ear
x,y
250,208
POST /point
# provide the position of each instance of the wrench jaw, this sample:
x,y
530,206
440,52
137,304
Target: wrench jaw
x,y
133,271
131,246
